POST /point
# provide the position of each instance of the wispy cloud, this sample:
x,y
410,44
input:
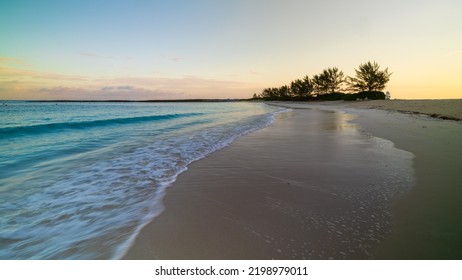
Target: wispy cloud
x,y
118,88
15,72
191,85
454,53
101,56
90,54
8,59
106,93
12,61
18,83
175,58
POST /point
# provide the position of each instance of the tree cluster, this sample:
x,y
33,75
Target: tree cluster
x,y
369,80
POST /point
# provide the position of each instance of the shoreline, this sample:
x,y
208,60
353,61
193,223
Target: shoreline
x,y
444,109
198,222
426,223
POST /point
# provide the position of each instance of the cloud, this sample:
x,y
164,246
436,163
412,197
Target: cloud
x,y
95,55
192,86
15,72
90,54
12,61
174,58
454,53
118,88
31,84
4,59
106,93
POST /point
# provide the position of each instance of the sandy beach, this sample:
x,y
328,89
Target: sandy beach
x,y
443,109
331,180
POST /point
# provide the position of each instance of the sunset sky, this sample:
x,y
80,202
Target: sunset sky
x,y
222,49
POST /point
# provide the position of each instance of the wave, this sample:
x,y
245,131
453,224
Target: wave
x,y
52,127
212,139
92,202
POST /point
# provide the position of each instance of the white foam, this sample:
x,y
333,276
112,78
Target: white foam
x,y
94,204
234,132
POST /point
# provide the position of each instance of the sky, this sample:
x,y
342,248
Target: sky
x,y
138,50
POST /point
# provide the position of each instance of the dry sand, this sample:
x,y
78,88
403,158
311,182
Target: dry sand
x,y
311,189
444,108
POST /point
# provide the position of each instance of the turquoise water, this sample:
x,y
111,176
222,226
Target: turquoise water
x,y
79,180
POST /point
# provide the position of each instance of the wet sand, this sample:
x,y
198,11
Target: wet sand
x,y
426,222
310,186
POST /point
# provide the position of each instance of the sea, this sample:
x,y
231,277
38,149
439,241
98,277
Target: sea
x,y
79,180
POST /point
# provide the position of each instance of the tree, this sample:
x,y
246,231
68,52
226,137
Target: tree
x,y
281,93
369,77
302,89
284,93
329,81
269,93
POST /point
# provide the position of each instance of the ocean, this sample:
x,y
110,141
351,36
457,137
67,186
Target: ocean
x,y
78,180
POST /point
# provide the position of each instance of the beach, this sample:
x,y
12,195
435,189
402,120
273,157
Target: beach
x,y
427,221
326,180
438,108
105,175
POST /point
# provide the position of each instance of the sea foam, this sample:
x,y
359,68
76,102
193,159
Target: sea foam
x,y
79,186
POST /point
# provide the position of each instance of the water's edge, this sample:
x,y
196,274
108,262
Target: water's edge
x,y
125,247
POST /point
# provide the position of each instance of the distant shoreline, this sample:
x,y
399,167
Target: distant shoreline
x,y
140,101
446,109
